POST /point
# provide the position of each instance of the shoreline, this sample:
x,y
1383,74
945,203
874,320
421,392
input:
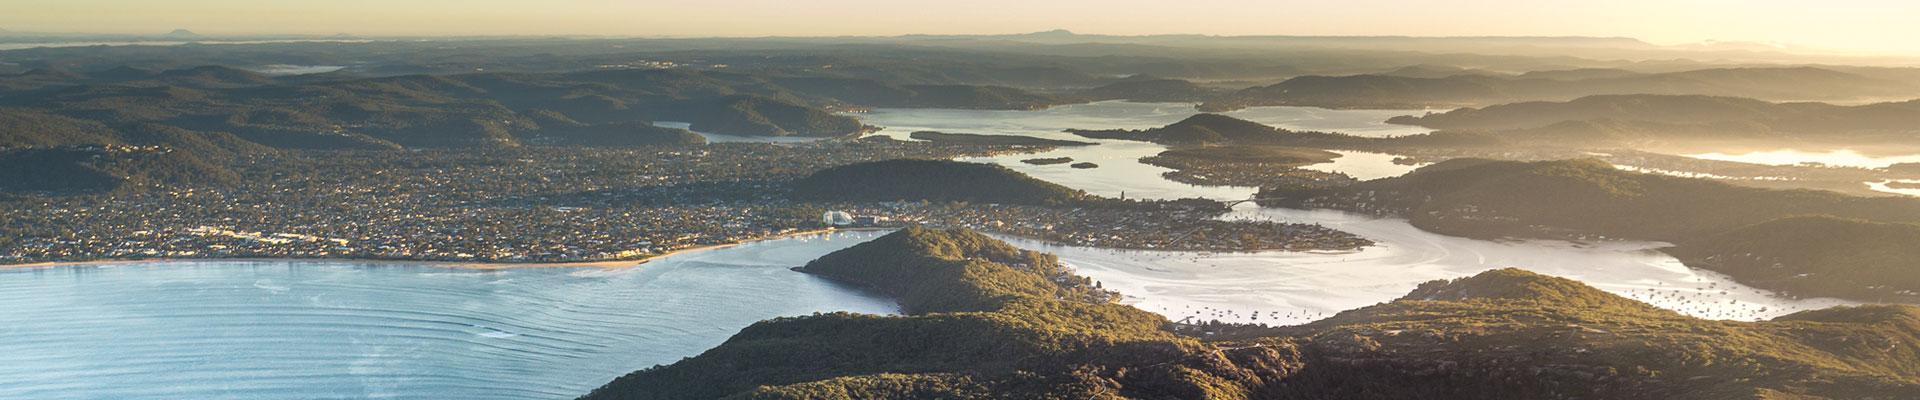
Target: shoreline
x,y
470,265
610,264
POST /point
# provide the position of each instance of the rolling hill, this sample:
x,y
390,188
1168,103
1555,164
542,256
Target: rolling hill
x,y
1468,90
985,320
1687,117
1717,226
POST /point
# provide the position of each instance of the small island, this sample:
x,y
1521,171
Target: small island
x,y
1247,165
1084,165
1048,161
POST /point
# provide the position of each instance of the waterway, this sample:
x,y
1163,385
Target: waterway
x,y
305,329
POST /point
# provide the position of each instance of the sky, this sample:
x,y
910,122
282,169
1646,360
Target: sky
x,y
1886,26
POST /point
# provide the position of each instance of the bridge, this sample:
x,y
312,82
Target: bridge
x,y
1251,200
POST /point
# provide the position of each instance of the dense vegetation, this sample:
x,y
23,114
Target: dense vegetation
x,y
1588,198
1271,155
986,320
136,158
1471,89
934,180
1199,129
1144,88
1216,129
558,129
200,118
1662,117
415,111
973,305
1817,255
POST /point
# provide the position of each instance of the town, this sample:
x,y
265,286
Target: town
x,y
547,205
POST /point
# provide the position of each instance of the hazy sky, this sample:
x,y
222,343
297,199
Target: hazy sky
x,y
1886,25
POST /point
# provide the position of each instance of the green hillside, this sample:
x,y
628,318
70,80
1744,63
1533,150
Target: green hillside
x,y
985,320
1718,226
1472,90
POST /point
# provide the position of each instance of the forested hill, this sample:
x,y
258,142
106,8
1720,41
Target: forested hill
x,y
1144,88
1469,90
195,119
1591,199
933,180
986,320
1691,117
1216,129
459,110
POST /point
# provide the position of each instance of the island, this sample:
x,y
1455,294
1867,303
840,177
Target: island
x,y
1246,165
1048,161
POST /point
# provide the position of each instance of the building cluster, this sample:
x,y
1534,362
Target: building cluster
x,y
1252,175
507,205
540,204
1143,228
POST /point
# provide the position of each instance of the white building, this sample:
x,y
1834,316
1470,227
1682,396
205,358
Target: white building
x,y
836,218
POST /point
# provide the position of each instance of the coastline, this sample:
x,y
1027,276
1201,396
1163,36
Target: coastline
x,y
472,265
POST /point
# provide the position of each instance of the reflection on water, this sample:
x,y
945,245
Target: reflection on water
x,y
1837,158
1120,173
301,330
290,329
1365,166
1886,186
1699,175
1296,287
1050,123
284,69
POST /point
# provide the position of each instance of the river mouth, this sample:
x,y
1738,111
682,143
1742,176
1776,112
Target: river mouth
x,y
322,329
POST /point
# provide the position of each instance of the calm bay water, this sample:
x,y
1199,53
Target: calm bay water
x,y
290,329
309,330
1296,287
1835,158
